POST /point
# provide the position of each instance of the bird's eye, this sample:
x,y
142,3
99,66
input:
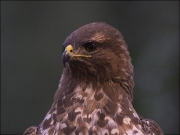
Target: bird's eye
x,y
90,46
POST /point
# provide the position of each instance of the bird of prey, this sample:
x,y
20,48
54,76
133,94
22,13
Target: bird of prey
x,y
95,92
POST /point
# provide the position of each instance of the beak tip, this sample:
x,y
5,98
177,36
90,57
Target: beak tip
x,y
65,57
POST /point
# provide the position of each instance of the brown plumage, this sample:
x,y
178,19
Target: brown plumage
x,y
95,91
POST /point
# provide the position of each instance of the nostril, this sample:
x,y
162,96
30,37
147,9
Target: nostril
x,y
69,49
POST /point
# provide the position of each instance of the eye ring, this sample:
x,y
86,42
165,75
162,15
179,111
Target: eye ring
x,y
90,46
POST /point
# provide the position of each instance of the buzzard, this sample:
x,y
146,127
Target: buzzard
x,y
95,93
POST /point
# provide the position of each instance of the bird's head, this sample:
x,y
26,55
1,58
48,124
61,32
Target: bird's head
x,y
96,53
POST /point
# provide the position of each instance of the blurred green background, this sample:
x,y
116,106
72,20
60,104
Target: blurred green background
x,y
32,33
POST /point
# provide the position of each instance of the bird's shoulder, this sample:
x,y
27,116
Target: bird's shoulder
x,y
32,130
150,127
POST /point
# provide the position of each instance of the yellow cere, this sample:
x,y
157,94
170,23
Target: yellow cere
x,y
69,50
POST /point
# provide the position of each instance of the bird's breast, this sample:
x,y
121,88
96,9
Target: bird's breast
x,y
90,112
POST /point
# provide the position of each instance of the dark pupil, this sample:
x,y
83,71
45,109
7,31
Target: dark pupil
x,y
90,47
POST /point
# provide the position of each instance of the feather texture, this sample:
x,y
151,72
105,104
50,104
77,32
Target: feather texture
x,y
94,96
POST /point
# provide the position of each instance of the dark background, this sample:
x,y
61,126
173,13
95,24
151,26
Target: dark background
x,y
32,34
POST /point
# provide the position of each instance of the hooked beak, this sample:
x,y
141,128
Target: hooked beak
x,y
69,53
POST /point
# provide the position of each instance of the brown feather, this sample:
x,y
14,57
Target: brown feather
x,y
95,93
